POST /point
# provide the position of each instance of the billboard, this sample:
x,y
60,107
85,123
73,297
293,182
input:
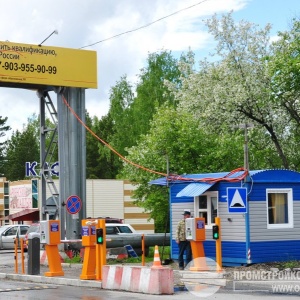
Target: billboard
x,y
51,66
20,196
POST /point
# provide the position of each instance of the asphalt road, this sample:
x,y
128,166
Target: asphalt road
x,y
13,289
33,291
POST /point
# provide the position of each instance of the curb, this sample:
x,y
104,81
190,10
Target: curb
x,y
53,280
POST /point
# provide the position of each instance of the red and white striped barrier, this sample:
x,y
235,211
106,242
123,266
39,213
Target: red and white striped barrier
x,y
156,281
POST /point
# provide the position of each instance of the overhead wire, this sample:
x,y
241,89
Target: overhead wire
x,y
106,144
170,177
144,26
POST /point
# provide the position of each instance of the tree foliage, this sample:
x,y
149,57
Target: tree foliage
x,y
101,162
177,138
21,148
284,70
3,129
235,87
131,110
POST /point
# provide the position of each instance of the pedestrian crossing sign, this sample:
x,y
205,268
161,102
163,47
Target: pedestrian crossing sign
x,y
237,200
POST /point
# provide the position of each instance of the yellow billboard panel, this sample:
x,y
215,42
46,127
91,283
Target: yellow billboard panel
x,y
54,66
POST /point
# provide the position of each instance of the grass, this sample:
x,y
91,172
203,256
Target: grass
x,y
288,264
73,260
148,259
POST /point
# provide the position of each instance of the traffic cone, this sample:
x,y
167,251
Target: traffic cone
x,y
156,260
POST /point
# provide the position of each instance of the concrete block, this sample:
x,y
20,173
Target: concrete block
x,y
146,280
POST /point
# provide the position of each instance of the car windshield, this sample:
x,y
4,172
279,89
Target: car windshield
x,y
124,229
2,228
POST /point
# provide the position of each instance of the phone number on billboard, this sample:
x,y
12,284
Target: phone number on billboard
x,y
13,66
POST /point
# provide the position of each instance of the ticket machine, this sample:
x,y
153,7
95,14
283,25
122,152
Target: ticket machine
x,y
88,233
195,233
50,236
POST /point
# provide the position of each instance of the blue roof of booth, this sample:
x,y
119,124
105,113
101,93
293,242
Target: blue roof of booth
x,y
273,175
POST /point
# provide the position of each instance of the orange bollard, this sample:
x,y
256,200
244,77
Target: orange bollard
x,y
143,250
22,256
156,260
16,256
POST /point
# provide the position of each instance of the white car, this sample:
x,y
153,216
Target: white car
x,y
8,234
118,228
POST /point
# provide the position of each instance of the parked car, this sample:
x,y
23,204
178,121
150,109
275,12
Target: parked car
x,y
34,227
109,219
116,228
8,234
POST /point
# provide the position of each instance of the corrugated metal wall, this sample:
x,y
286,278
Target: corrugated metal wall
x,y
104,198
265,244
112,198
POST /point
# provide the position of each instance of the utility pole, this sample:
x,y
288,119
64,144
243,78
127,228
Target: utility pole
x,y
246,150
246,167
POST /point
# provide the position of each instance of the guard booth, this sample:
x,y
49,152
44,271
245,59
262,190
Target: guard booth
x,y
259,213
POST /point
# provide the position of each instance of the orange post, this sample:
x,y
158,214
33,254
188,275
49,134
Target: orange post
x,y
54,260
22,256
156,260
89,265
198,252
16,256
143,250
101,251
88,242
196,234
219,246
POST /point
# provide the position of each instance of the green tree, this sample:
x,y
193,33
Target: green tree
x,y
101,162
151,89
21,148
121,99
178,138
130,115
3,129
235,87
284,70
92,155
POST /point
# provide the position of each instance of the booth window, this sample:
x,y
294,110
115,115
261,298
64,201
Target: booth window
x,y
207,207
280,208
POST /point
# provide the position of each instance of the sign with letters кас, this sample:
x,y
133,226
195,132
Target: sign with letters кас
x,y
51,66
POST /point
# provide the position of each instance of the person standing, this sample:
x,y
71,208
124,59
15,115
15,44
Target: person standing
x,y
183,244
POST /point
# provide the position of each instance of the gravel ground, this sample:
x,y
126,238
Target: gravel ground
x,y
74,270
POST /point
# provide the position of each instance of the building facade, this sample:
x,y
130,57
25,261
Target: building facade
x,y
20,202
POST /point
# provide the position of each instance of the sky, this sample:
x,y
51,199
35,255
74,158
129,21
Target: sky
x,y
82,23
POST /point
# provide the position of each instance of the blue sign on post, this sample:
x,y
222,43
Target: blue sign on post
x,y
237,200
73,204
